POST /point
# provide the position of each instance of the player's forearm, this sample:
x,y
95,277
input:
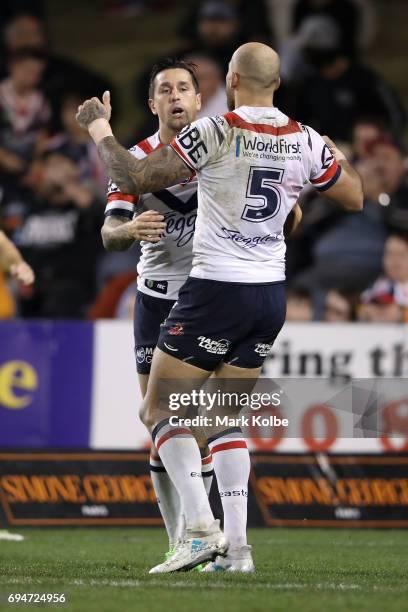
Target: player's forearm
x,y
355,196
9,254
159,170
348,190
121,166
117,238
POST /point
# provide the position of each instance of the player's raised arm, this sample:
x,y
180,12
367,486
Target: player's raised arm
x,y
159,170
347,190
331,173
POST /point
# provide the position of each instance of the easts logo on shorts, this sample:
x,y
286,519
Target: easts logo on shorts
x,y
215,347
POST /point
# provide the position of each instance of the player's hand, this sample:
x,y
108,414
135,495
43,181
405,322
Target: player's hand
x,y
338,154
94,109
23,273
148,226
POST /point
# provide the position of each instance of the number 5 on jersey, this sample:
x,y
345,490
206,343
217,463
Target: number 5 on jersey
x,y
260,186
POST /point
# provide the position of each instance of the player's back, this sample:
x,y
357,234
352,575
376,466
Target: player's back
x,y
252,163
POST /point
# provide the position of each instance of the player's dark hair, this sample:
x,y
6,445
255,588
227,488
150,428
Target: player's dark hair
x,y
170,63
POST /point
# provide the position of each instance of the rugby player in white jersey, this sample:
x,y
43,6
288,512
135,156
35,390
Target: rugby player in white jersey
x,y
164,223
251,165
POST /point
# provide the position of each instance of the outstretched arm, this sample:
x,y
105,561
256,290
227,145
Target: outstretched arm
x,y
11,261
161,169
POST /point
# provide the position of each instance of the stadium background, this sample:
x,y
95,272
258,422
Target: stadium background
x,y
68,391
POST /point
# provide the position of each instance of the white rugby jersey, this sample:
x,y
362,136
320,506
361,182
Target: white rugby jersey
x,y
251,165
164,266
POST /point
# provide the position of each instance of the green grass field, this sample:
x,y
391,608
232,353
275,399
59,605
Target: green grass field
x,y
305,570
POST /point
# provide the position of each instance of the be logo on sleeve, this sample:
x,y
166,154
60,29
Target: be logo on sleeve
x,y
191,142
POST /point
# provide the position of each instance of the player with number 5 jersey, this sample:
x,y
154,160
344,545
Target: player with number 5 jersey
x,y
252,164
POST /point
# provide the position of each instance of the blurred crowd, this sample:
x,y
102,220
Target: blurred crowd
x,y
340,266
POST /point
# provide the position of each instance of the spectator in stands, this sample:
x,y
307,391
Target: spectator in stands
x,y
381,308
384,175
299,305
217,27
344,13
24,111
59,236
346,250
320,32
218,31
389,166
340,306
392,287
341,91
286,16
74,142
25,30
396,259
212,86
364,134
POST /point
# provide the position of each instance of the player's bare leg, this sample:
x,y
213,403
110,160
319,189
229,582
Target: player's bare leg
x,y
181,457
232,467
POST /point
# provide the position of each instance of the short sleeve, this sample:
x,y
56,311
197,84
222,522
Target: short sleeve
x,y
324,171
200,142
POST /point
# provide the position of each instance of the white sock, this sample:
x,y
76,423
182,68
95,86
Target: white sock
x,y
181,457
207,472
232,466
167,498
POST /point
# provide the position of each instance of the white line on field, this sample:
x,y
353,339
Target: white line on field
x,y
185,584
353,544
